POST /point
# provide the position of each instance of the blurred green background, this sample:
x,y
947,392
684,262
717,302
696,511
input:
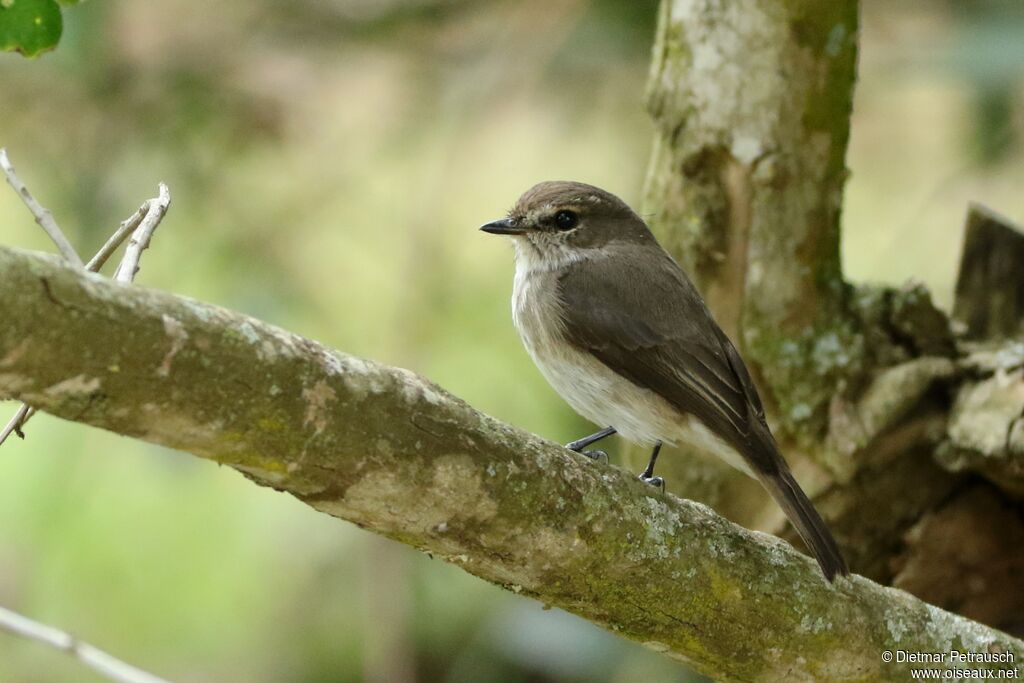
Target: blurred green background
x,y
330,161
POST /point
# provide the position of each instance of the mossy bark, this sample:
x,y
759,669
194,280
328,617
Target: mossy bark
x,y
396,454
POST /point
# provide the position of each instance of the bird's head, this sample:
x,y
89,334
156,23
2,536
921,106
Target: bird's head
x,y
559,220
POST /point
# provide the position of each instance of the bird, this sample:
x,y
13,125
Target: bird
x,y
623,335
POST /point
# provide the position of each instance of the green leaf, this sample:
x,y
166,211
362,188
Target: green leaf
x,y
29,26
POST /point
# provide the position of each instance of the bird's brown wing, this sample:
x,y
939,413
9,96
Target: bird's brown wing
x,y
660,335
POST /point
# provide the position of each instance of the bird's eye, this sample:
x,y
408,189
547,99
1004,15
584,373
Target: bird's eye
x,y
566,220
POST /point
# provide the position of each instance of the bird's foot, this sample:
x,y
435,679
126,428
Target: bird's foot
x,y
596,456
578,445
656,482
647,476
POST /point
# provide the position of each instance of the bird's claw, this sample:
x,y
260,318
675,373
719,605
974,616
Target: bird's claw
x,y
597,456
656,482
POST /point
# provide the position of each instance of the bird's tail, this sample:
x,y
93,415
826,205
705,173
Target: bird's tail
x,y
809,524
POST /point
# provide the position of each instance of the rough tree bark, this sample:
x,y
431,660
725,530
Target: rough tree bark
x,y
887,416
391,452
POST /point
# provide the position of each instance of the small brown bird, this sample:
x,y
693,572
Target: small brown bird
x,y
620,332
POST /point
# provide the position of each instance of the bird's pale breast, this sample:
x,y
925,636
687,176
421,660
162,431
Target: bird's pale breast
x,y
588,385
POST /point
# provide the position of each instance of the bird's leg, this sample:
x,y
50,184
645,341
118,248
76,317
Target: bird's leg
x,y
647,475
579,444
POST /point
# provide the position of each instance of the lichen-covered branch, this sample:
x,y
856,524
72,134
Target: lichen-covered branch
x,y
394,453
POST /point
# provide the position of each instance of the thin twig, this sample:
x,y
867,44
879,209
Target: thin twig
x,y
126,228
42,215
17,422
92,657
155,210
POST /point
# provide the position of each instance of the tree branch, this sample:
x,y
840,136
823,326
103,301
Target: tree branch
x,y
42,215
16,422
94,658
394,453
152,212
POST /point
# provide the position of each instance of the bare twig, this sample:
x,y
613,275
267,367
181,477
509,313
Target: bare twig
x,y
43,216
155,210
126,228
92,657
140,225
17,422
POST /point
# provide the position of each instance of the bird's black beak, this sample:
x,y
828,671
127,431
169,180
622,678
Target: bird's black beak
x,y
504,226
